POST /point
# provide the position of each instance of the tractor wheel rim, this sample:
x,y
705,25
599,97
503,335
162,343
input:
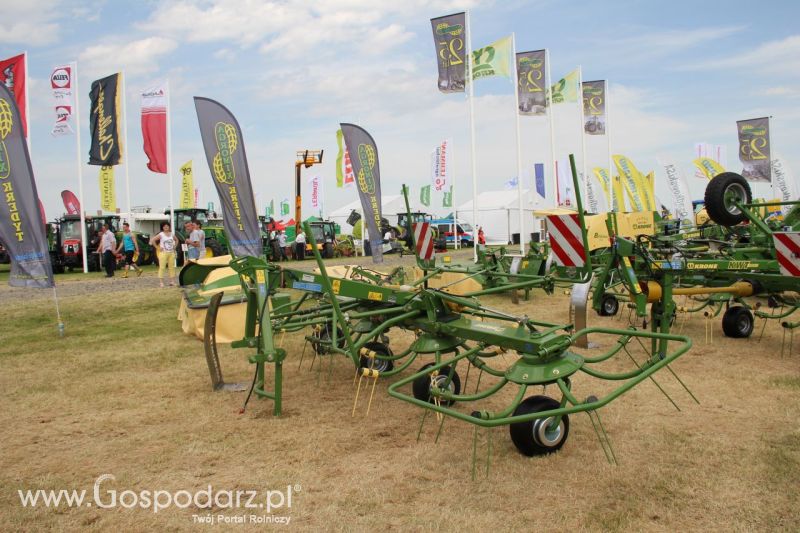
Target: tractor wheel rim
x,y
734,193
743,323
545,435
609,306
440,380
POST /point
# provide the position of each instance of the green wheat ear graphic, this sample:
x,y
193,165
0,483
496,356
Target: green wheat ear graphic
x,y
5,118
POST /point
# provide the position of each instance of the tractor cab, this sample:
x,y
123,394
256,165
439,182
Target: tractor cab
x,y
216,240
324,232
404,224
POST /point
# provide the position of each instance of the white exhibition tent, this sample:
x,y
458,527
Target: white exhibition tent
x,y
391,205
498,215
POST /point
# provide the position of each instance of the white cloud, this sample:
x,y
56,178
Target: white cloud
x,y
30,22
789,92
135,57
773,57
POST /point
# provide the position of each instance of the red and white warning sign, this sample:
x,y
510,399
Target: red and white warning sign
x,y
787,248
423,236
566,240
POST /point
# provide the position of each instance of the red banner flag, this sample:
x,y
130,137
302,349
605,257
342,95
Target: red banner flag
x,y
71,203
13,74
154,128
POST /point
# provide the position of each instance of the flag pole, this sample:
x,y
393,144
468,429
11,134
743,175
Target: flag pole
x,y
27,107
471,97
77,115
549,104
519,146
615,205
126,151
453,200
169,164
583,132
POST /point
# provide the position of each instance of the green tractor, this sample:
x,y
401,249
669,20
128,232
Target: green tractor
x,y
216,240
324,232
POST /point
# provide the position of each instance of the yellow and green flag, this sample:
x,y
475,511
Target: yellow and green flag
x,y
187,186
565,90
708,166
108,198
492,60
633,182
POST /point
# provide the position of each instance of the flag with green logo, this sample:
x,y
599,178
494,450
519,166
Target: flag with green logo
x,y
447,199
339,157
425,195
565,90
492,60
285,207
270,210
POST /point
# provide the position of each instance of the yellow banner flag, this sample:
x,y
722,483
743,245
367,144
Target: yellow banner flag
x,y
708,166
187,186
108,198
633,184
650,189
619,198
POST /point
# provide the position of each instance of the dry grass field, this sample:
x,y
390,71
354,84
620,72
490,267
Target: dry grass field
x,y
126,393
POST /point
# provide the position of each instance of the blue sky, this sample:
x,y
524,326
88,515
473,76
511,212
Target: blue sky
x,y
681,72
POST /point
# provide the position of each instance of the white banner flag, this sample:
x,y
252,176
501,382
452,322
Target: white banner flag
x,y
63,99
566,190
439,164
315,192
783,180
679,189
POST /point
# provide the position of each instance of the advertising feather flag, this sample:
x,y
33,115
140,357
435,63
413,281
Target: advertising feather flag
x,y
187,186
104,122
154,128
61,84
14,75
71,203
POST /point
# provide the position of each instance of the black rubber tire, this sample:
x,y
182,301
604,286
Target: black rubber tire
x,y
716,190
738,322
422,386
524,434
327,250
215,248
381,365
609,305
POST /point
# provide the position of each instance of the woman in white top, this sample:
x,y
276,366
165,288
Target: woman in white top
x,y
166,243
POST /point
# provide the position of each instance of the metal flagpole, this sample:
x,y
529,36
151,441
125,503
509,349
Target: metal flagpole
x,y
126,150
583,126
550,118
614,201
471,96
169,164
27,107
519,146
77,115
452,160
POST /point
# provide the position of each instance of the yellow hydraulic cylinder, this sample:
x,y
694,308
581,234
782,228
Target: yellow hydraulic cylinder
x,y
740,288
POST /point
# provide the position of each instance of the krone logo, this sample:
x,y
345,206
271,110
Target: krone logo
x,y
227,143
366,156
6,123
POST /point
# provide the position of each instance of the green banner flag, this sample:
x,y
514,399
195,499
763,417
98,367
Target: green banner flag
x,y
270,209
425,195
492,60
447,199
285,207
565,90
339,157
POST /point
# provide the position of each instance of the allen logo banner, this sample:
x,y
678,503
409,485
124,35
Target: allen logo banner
x,y
492,60
71,203
439,158
594,107
154,128
187,186
106,147
531,82
224,147
754,149
13,74
368,180
450,38
108,196
21,228
63,99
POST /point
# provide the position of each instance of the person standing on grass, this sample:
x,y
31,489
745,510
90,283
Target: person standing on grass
x,y
131,248
300,245
191,244
201,239
108,243
282,246
166,253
